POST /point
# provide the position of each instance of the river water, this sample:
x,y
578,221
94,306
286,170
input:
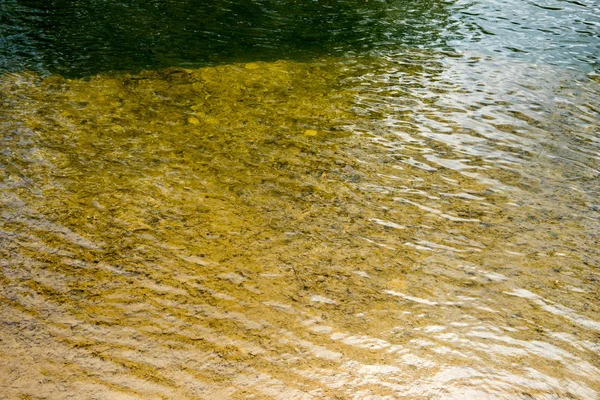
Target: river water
x,y
300,199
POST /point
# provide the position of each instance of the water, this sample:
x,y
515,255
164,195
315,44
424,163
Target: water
x,y
378,200
81,38
86,37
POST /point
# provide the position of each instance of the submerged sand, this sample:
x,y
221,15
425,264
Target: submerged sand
x,y
362,229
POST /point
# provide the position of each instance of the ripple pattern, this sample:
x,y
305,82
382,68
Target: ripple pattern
x,y
413,226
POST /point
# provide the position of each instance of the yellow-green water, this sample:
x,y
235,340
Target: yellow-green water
x,y
350,229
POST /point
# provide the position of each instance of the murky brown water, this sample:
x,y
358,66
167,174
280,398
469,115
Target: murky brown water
x,y
419,227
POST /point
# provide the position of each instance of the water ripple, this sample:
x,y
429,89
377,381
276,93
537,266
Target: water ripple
x,y
414,225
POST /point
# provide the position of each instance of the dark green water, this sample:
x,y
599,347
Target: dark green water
x,y
86,37
78,38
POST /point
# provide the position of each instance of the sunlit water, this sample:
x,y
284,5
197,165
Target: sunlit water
x,y
417,220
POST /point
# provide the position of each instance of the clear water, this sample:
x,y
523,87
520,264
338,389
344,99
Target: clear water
x,y
306,200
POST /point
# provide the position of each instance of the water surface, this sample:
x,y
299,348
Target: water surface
x,y
402,203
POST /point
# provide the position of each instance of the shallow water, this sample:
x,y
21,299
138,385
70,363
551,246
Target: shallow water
x,y
400,223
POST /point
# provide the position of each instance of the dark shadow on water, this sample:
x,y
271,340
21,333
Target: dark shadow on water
x,y
79,38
